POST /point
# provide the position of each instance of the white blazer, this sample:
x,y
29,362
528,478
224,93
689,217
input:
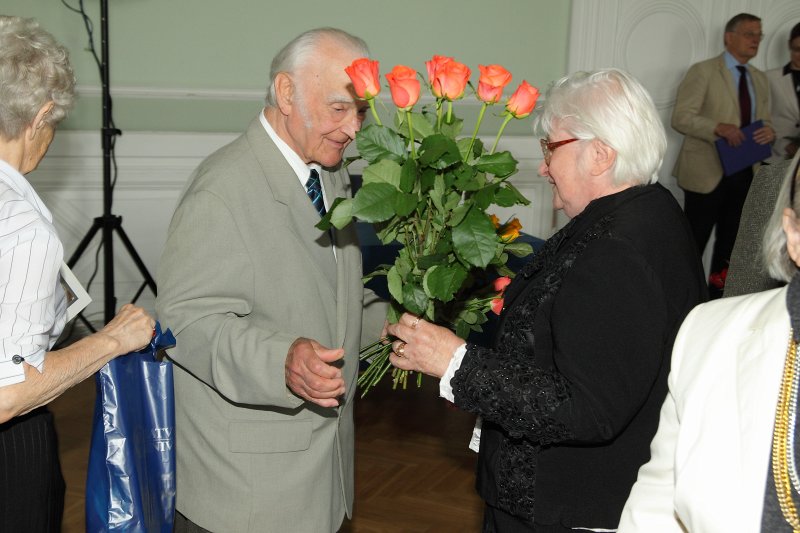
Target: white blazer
x,y
710,456
785,111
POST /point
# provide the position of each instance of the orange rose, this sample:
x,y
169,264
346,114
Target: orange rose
x,y
364,74
509,232
523,100
434,64
493,80
495,221
450,79
497,305
405,86
501,283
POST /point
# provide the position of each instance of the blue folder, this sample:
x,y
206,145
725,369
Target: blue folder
x,y
736,158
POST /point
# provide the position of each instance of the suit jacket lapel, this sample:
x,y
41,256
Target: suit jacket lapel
x,y
727,79
286,189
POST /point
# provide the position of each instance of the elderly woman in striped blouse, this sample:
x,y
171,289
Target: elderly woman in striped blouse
x,y
36,90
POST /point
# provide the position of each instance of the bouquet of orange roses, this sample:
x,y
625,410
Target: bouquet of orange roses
x,y
428,188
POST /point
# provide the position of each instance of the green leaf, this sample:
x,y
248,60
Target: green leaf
x,y
414,298
384,171
373,202
425,262
451,201
453,128
437,192
422,127
408,175
394,314
475,238
341,212
439,152
395,284
505,197
379,142
466,178
458,214
404,204
519,249
484,197
500,164
520,197
443,281
426,179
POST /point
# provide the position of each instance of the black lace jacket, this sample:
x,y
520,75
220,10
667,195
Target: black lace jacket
x,y
571,390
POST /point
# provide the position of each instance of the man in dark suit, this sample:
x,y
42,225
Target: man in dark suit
x,y
267,309
716,99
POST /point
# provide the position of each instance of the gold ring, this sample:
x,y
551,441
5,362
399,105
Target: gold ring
x,y
415,323
401,350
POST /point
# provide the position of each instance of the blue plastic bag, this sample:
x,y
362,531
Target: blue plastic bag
x,y
130,484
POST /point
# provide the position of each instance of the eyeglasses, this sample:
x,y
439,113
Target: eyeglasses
x,y
548,147
750,35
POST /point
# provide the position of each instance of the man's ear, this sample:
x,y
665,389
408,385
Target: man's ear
x,y
603,157
39,120
285,92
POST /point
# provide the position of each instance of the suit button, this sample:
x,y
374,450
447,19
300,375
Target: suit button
x,y
17,359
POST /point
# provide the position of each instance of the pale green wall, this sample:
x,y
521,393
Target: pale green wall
x,y
162,45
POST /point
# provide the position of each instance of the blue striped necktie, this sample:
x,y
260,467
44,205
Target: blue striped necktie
x,y
314,191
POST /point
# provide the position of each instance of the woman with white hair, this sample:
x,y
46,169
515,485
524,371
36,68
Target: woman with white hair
x,y
725,456
36,91
570,391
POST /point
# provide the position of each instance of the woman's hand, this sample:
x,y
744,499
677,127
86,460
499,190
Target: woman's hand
x,y
131,328
422,346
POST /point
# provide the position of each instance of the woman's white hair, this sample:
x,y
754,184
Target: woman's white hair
x,y
292,56
34,70
613,107
776,257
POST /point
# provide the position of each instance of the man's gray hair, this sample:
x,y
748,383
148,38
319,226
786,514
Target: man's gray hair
x,y
34,70
294,55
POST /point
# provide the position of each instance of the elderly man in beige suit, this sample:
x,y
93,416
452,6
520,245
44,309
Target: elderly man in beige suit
x,y
269,311
716,98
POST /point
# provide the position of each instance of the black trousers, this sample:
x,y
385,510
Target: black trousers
x,y
721,207
31,485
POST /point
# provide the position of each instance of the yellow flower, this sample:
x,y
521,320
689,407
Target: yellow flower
x,y
510,231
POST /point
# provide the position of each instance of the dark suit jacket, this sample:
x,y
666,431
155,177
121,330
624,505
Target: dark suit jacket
x,y
571,392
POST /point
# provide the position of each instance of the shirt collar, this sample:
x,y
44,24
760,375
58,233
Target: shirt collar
x,y
14,179
731,61
298,165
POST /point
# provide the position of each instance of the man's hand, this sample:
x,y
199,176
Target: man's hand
x,y
764,135
310,375
730,133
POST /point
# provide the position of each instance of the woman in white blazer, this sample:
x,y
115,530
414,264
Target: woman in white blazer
x,y
710,468
784,88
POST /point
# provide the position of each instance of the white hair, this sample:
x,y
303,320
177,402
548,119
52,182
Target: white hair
x,y
294,55
773,248
613,107
34,70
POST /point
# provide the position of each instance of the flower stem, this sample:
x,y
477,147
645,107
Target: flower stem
x,y
411,134
508,118
449,111
475,133
371,102
438,114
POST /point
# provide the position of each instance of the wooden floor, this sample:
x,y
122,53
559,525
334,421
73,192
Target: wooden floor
x,y
414,472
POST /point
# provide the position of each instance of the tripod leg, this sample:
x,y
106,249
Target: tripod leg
x,y
148,279
96,225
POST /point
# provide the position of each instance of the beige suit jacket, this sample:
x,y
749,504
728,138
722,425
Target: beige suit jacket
x,y
785,111
244,273
707,97
710,456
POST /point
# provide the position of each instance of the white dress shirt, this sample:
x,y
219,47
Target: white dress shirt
x,y
32,300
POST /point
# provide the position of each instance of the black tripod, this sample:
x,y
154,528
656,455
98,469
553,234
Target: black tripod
x,y
109,222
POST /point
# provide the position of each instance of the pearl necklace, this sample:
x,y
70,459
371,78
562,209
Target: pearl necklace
x,y
783,442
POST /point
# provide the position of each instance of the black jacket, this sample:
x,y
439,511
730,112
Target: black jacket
x,y
571,391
